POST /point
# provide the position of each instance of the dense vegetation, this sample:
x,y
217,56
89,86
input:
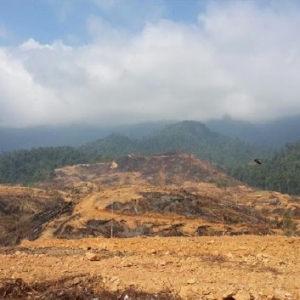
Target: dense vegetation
x,y
27,166
113,146
188,136
279,173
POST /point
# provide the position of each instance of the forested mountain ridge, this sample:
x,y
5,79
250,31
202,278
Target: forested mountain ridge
x,y
270,134
26,166
273,134
187,136
195,138
279,172
112,146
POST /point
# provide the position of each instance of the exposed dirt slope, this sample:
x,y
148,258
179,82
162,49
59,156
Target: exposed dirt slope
x,y
198,200
195,233
144,210
161,169
24,211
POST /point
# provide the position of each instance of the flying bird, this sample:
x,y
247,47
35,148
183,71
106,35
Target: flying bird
x,y
257,160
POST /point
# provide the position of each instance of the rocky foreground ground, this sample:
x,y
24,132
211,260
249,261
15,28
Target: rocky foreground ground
x,y
240,267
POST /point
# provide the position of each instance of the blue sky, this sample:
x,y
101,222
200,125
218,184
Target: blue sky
x,y
49,20
112,62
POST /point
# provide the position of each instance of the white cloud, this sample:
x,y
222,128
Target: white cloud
x,y
241,59
23,101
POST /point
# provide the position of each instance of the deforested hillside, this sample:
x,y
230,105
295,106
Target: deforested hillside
x,y
162,169
168,194
120,228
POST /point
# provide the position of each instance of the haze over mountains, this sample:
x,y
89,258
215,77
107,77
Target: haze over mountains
x,y
275,133
69,135
279,171
271,134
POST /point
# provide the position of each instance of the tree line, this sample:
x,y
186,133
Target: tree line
x,y
280,171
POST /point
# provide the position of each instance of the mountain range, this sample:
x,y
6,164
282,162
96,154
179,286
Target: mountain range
x,y
271,134
279,170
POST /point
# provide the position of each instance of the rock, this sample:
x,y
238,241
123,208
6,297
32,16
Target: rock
x,y
191,281
229,255
92,256
211,297
288,295
103,246
151,251
186,292
114,279
229,294
242,295
115,286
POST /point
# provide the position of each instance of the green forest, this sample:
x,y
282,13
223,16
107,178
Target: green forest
x,y
279,170
28,166
279,173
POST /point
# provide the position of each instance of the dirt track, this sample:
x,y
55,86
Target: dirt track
x,y
244,267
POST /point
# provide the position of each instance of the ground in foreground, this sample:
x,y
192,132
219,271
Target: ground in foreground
x,y
240,267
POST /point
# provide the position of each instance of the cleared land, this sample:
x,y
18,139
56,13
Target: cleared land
x,y
162,227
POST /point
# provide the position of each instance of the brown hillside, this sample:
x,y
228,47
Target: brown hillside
x,y
128,229
169,194
161,169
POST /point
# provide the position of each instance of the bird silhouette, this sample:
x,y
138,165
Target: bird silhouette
x,y
258,161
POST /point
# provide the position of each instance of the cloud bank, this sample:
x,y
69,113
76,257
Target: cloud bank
x,y
241,58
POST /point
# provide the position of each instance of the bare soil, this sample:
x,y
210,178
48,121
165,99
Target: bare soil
x,y
243,267
162,227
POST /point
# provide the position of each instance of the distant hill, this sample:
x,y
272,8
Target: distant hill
x,y
70,135
112,146
187,136
27,166
273,134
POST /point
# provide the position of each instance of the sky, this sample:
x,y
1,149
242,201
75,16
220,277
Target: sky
x,y
112,62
